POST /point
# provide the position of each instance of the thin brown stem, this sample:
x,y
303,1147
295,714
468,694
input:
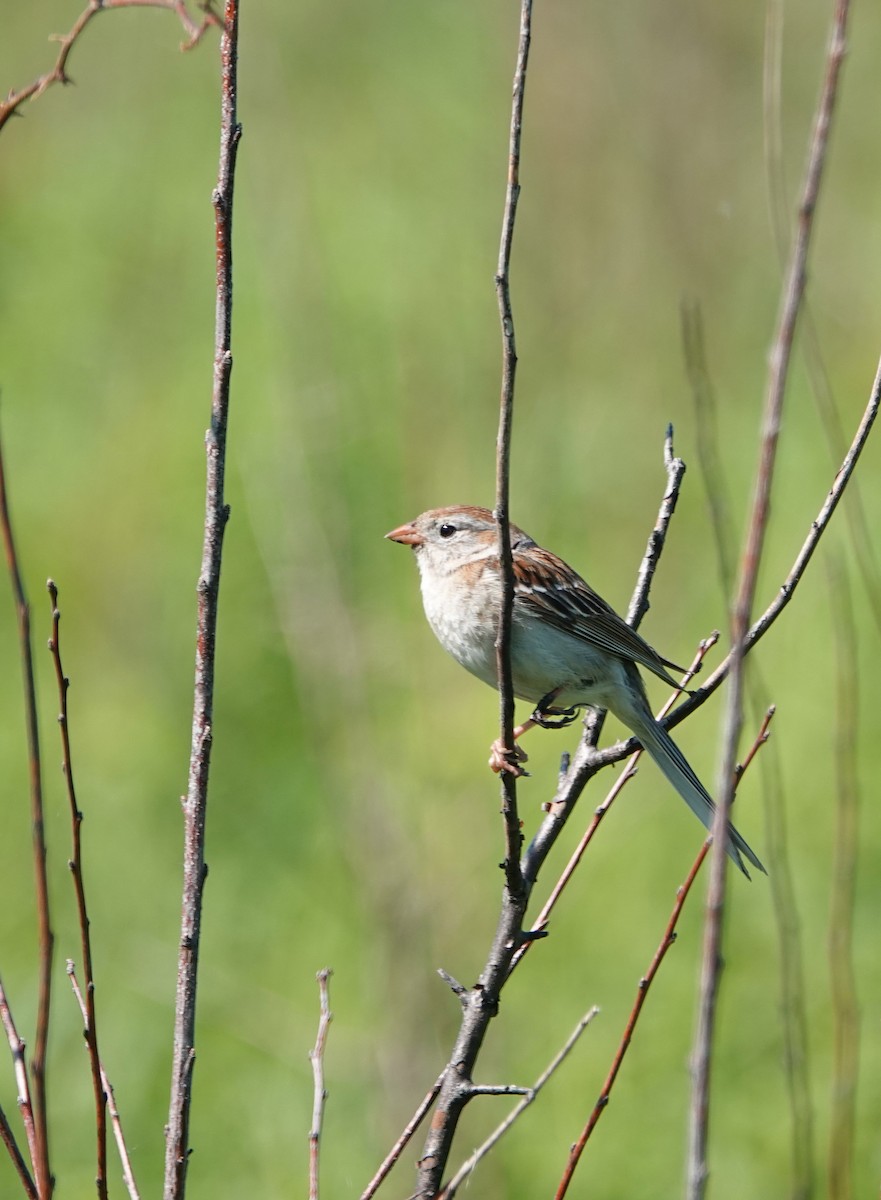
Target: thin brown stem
x,y
19,1067
667,940
781,352
7,1137
503,457
42,1171
400,1145
319,1092
195,803
115,1119
76,870
480,1004
193,29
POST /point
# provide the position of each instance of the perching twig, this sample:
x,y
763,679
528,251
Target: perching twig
x,y
25,1105
480,1004
675,468
667,940
697,1168
400,1145
530,1095
503,461
319,1093
40,1149
572,782
58,74
76,870
7,1137
541,921
115,1119
585,764
177,1149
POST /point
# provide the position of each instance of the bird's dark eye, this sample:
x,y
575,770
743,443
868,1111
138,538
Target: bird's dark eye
x,y
447,530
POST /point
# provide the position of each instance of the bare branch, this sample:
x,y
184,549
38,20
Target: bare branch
x,y
8,1139
40,1151
675,468
541,921
529,1096
19,1066
58,74
216,515
480,1004
316,1057
503,461
667,940
115,1119
697,1168
76,870
400,1145
587,762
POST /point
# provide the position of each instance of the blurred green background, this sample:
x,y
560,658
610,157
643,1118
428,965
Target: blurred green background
x,y
352,822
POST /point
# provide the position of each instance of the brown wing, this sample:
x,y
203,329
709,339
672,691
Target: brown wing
x,y
566,601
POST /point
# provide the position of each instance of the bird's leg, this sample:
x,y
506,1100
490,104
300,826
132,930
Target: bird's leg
x,y
546,717
549,717
500,757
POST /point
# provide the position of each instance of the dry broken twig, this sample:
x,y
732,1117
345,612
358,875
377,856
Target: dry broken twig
x,y
58,72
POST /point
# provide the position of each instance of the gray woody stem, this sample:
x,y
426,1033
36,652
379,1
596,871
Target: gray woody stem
x,y
503,456
216,514
480,1004
697,1167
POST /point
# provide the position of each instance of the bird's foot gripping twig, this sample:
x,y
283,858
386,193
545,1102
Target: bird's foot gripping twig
x,y
503,759
548,717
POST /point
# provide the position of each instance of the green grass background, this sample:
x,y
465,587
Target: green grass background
x,y
352,822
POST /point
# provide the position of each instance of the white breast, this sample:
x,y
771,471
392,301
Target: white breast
x,y
464,622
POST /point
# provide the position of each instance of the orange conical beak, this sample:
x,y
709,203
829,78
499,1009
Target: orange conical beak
x,y
407,535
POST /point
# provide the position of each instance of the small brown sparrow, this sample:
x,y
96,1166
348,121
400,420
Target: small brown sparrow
x,y
569,649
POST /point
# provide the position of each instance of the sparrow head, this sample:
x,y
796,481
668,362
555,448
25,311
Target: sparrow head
x,y
447,538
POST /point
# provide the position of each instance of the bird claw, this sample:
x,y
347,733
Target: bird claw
x,y
503,759
554,718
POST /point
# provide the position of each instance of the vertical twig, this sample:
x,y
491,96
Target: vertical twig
x,y
793,1015
845,1007
697,1167
42,1172
7,1137
480,1003
319,1092
407,1133
76,870
115,1119
216,515
503,455
25,1105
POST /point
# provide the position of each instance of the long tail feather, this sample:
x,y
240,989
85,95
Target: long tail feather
x,y
657,742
